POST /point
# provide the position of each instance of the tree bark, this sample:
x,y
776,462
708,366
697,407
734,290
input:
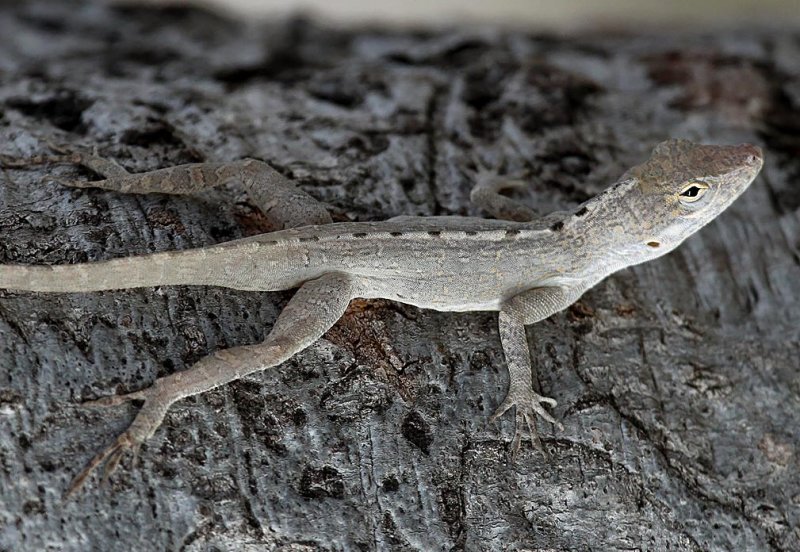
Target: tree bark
x,y
677,380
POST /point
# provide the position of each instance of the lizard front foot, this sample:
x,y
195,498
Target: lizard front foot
x,y
528,405
143,426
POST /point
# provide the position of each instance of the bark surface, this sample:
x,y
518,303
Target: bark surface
x,y
677,380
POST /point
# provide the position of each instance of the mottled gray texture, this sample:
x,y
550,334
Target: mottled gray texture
x,y
677,380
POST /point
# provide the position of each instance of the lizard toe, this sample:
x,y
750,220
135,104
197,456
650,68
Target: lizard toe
x,y
114,400
143,426
504,407
110,458
527,409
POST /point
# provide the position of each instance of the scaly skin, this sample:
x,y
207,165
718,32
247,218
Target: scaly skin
x,y
526,268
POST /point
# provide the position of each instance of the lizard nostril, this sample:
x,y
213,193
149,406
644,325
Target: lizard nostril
x,y
752,154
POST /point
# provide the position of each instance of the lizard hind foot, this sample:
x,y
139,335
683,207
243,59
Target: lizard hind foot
x,y
64,155
143,426
527,408
111,457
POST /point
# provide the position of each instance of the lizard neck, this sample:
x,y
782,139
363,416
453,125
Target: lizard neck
x,y
610,231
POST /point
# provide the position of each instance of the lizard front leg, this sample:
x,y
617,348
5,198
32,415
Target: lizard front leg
x,y
286,205
528,307
316,306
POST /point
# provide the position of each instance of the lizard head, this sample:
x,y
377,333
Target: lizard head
x,y
684,185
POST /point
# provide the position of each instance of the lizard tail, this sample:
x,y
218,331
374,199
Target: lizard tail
x,y
158,269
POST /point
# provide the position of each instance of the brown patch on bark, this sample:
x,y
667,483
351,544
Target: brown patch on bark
x,y
362,331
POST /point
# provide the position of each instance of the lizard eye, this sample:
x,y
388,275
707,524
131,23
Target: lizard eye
x,y
692,192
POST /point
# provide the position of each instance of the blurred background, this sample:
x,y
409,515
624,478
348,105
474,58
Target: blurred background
x,y
564,14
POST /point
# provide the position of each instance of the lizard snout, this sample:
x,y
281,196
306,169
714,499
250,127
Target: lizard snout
x,y
750,155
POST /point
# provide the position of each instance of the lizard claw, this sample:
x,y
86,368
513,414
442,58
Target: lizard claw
x,y
527,408
111,456
114,400
143,426
71,183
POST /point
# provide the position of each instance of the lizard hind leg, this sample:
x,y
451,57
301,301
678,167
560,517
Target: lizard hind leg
x,y
316,306
486,195
286,205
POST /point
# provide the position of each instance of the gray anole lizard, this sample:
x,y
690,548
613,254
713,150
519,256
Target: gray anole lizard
x,y
524,267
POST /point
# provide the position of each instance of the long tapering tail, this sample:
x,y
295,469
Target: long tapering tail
x,y
203,266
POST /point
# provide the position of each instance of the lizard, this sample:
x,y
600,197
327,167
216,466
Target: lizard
x,y
524,266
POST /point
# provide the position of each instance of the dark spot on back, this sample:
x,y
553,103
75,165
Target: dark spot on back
x,y
471,233
309,239
434,233
512,233
557,226
395,234
360,235
582,211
